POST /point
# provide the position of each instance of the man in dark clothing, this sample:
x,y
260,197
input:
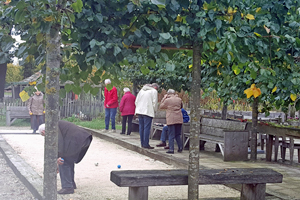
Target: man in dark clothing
x,y
73,143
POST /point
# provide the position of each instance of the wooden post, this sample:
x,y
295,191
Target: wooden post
x,y
138,193
269,147
291,150
7,116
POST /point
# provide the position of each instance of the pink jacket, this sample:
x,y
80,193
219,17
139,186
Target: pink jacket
x,y
111,98
127,105
173,104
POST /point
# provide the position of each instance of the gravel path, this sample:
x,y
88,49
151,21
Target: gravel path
x,y
92,174
10,185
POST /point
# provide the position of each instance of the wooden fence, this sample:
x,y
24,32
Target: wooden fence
x,y
87,109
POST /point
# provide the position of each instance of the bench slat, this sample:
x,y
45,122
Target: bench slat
x,y
143,178
224,124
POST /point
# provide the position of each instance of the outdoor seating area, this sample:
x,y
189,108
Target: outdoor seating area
x,y
224,132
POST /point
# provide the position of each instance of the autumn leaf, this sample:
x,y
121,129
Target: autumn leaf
x,y
256,92
253,90
248,92
250,17
7,2
257,34
49,19
126,46
258,9
32,83
267,29
274,89
293,97
178,19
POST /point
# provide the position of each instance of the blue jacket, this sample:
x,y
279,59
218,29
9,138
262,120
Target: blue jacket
x,y
185,116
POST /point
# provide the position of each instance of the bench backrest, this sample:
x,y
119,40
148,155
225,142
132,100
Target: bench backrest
x,y
215,127
17,111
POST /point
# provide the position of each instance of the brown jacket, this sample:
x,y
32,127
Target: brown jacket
x,y
36,104
173,104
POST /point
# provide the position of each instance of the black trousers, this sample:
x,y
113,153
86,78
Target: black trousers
x,y
129,127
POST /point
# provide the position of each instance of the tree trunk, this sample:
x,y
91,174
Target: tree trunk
x,y
253,155
224,111
3,68
195,125
52,113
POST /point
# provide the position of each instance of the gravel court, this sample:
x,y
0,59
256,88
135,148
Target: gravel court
x,y
92,174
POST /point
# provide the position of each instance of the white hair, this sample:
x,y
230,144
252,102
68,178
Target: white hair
x,y
126,89
171,91
107,81
41,128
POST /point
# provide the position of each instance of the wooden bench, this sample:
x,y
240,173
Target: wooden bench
x,y
253,180
16,112
160,118
230,136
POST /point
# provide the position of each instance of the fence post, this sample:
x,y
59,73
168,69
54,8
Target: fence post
x,y
7,116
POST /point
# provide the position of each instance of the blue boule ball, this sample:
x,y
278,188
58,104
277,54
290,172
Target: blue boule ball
x,y
119,166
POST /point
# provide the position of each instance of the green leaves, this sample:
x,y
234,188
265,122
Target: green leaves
x,y
77,6
165,36
159,3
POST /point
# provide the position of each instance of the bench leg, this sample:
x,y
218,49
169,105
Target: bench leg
x,y
253,192
291,150
202,143
138,193
276,146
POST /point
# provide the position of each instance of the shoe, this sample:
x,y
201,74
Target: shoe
x,y
34,131
122,133
171,152
66,191
179,150
105,131
74,185
162,144
113,130
149,147
128,133
167,147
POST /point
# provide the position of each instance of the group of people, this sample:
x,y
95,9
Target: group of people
x,y
144,105
74,141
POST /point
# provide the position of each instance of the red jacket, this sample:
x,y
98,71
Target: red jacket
x,y
111,98
127,105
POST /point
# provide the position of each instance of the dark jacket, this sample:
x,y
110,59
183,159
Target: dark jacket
x,y
72,140
111,98
186,117
127,105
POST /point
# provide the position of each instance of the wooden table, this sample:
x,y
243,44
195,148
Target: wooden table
x,y
273,135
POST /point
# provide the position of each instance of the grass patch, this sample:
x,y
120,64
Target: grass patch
x,y
17,123
98,123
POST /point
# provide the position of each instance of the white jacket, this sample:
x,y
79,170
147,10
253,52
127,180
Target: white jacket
x,y
146,101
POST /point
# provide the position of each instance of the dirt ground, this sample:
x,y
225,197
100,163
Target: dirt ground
x,y
92,174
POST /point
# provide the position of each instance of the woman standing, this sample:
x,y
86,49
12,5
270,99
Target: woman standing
x,y
127,108
36,110
173,104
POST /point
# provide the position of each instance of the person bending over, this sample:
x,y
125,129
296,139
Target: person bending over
x,y
73,143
